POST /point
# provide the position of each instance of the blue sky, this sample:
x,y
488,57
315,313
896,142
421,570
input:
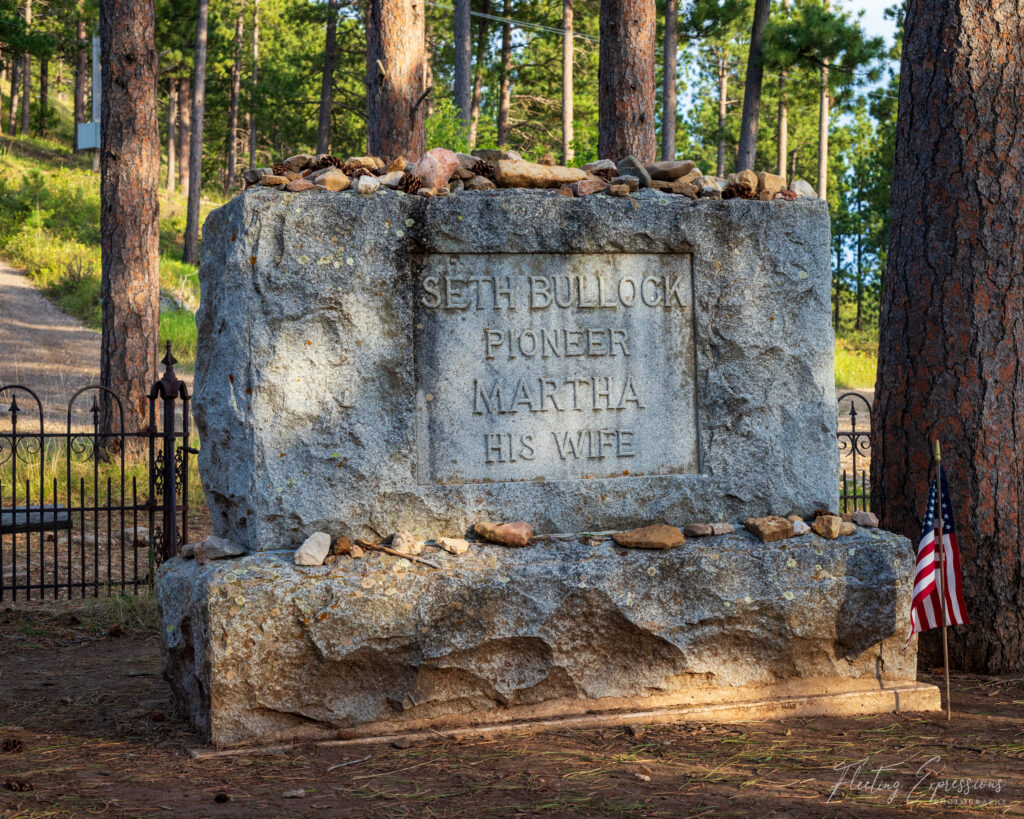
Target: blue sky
x,y
874,21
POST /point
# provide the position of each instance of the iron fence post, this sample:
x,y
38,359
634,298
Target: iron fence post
x,y
169,389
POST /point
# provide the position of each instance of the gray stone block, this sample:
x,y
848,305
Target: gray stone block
x,y
318,349
260,649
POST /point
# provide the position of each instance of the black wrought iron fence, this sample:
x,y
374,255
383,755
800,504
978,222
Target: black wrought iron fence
x,y
84,511
854,452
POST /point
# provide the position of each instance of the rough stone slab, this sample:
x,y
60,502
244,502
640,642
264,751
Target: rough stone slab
x,y
258,649
307,397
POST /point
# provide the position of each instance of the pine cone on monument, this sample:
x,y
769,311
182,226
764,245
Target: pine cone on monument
x,y
327,162
279,169
739,191
410,183
485,169
354,171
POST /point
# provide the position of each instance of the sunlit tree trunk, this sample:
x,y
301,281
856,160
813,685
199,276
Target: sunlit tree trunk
x,y
723,107
255,81
504,92
323,129
129,232
236,87
952,319
567,83
463,54
747,153
26,78
81,66
395,38
668,90
172,122
478,73
184,134
195,173
625,80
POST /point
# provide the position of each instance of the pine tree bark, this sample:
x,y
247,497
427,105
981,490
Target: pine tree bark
x,y
952,337
184,134
26,78
12,121
172,127
747,153
44,94
823,105
195,158
323,130
463,55
783,135
504,90
723,108
567,82
625,80
3,79
668,90
129,234
478,73
81,66
255,81
236,88
395,92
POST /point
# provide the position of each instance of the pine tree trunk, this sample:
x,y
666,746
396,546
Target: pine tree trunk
x,y
236,87
428,71
838,280
504,93
668,90
12,121
723,103
255,81
184,131
625,80
323,129
747,154
823,104
129,232
44,94
783,135
3,79
463,55
395,38
172,122
952,337
81,68
195,153
478,73
567,82
26,78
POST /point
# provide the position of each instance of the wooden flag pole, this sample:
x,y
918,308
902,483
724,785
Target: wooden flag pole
x,y
941,548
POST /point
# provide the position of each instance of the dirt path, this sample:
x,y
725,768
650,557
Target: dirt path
x,y
42,348
88,724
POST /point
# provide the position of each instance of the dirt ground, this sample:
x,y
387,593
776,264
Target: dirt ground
x,y
86,722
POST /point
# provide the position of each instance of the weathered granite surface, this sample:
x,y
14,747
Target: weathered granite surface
x,y
307,397
256,648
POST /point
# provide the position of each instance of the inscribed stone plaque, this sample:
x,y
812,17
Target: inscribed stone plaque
x,y
546,367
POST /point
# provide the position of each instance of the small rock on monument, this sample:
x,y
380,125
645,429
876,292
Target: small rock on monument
x,y
828,526
453,545
670,170
631,166
507,534
313,551
698,530
869,520
657,536
770,528
406,543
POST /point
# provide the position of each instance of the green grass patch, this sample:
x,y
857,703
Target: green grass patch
x,y
50,225
857,361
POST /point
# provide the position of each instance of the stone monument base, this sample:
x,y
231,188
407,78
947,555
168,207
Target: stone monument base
x,y
720,629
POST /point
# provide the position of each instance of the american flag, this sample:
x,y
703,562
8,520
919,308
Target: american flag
x,y
926,607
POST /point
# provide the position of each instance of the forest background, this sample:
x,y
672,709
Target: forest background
x,y
264,90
